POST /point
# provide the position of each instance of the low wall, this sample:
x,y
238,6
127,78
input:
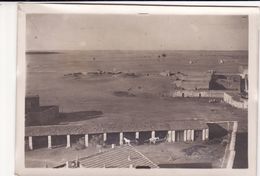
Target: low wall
x,y
230,152
43,117
198,93
243,104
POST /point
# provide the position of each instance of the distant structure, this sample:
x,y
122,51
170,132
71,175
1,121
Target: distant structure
x,y
32,103
36,114
244,81
221,61
194,81
235,100
231,87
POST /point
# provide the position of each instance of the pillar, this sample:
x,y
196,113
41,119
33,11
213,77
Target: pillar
x,y
121,138
203,135
153,134
192,135
173,136
105,137
86,140
49,142
185,135
30,143
169,137
235,125
136,135
188,135
207,134
246,84
68,141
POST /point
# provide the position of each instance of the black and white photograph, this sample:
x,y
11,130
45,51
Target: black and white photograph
x,y
137,91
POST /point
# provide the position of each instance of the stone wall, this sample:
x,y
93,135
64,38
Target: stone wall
x,y
242,104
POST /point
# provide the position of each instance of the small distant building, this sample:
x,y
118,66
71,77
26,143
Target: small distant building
x,y
244,81
225,81
196,81
32,103
36,114
165,73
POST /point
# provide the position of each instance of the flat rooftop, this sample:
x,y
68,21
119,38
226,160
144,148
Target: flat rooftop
x,y
105,127
144,114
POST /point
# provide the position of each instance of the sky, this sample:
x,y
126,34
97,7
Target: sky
x,y
135,32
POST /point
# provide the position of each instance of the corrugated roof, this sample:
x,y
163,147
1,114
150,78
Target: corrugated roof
x,y
116,126
119,157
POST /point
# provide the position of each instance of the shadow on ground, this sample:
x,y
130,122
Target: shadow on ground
x,y
241,157
216,131
78,116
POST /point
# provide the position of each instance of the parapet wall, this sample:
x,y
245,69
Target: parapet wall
x,y
198,93
231,152
238,103
243,104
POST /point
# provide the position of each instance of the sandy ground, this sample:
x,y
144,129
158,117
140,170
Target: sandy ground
x,y
97,93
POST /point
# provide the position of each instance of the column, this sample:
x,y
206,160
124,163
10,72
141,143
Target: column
x,y
203,135
228,123
121,138
169,137
235,125
105,137
68,141
86,140
192,135
67,164
207,134
49,142
173,136
188,135
30,143
185,135
246,84
136,135
153,134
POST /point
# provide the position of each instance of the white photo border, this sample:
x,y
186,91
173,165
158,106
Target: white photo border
x,y
253,50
